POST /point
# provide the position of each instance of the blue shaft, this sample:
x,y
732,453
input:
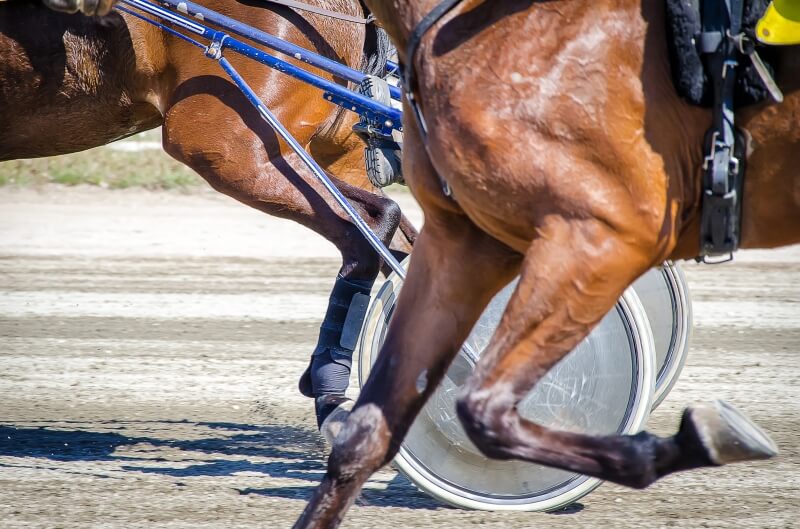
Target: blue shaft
x,y
219,41
391,118
355,101
284,133
273,42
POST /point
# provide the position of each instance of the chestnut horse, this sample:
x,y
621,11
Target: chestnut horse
x,y
70,82
572,161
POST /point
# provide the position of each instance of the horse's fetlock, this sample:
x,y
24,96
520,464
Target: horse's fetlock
x,y
637,462
361,445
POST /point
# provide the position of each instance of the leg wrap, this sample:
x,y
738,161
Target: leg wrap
x,y
329,371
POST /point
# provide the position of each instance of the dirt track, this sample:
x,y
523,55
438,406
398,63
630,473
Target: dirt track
x,y
150,346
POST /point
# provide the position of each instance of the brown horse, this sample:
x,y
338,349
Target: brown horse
x,y
70,82
571,161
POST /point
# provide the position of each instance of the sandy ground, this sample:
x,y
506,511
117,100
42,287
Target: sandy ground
x,y
150,346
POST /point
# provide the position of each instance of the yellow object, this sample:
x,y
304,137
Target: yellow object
x,y
780,23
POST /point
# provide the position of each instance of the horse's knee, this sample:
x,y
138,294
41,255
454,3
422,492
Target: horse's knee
x,y
391,213
360,258
362,446
387,217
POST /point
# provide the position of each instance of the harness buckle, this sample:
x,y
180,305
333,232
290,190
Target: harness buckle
x,y
709,159
214,48
705,259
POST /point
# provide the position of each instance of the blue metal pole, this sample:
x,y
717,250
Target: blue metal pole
x,y
388,117
284,133
272,42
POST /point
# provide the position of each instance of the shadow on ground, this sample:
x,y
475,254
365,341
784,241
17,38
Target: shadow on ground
x,y
60,444
300,454
398,493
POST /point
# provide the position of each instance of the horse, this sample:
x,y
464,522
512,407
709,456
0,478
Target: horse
x,y
70,82
557,148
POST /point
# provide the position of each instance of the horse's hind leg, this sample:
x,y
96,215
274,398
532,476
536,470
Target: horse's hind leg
x,y
327,376
247,164
560,296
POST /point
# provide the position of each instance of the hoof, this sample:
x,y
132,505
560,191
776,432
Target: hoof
x,y
305,386
332,412
726,434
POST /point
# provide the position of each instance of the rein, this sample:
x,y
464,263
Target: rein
x,y
302,6
409,76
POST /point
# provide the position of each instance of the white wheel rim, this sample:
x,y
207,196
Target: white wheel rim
x,y
630,311
664,294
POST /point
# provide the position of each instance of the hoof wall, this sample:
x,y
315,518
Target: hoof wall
x,y
334,421
726,434
305,385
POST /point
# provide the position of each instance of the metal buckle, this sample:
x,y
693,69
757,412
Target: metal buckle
x,y
705,259
734,165
214,48
710,157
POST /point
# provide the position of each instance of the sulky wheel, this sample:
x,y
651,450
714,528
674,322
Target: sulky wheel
x,y
605,385
665,295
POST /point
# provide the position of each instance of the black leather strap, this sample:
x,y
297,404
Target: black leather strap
x,y
420,30
409,76
723,171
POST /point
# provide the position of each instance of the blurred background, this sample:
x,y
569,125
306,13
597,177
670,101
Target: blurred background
x,y
137,161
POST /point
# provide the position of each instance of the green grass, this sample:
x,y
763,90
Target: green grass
x,y
110,168
104,167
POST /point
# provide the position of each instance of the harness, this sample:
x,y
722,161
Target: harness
x,y
410,78
723,44
302,6
409,75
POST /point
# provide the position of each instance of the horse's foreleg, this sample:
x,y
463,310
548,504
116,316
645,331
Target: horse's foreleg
x,y
571,278
455,269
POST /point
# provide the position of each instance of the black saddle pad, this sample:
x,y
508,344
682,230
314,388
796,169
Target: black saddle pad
x,y
688,71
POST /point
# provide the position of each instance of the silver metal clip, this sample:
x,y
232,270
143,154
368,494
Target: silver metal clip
x,y
766,78
710,156
722,259
747,47
214,48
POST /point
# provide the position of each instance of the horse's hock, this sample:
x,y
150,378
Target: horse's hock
x,y
608,384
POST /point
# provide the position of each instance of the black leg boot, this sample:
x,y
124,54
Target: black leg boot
x,y
328,373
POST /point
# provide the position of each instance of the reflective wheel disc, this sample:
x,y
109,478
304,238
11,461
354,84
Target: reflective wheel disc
x,y
664,294
605,385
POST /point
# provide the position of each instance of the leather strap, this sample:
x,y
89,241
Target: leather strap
x,y
723,171
302,6
409,77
